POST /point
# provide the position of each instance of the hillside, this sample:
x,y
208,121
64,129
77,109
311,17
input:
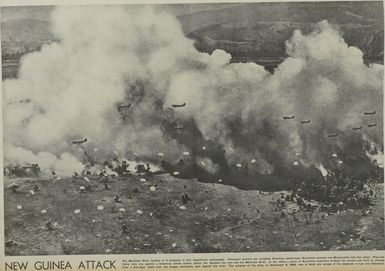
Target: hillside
x,y
256,32
151,219
19,37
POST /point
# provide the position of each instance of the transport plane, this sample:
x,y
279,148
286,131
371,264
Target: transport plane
x,y
79,141
370,113
178,105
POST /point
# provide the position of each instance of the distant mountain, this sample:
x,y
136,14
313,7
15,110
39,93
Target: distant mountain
x,y
24,12
249,32
256,32
19,36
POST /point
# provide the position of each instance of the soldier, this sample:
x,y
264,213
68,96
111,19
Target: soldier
x,y
36,170
280,202
300,202
36,188
10,243
139,169
117,199
185,198
371,193
125,166
363,212
351,202
125,229
75,176
181,163
106,181
50,226
14,188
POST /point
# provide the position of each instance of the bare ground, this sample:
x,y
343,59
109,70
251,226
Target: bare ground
x,y
218,219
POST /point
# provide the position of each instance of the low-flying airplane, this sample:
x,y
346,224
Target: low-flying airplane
x,y
305,121
178,105
372,125
288,117
79,141
333,135
357,128
370,113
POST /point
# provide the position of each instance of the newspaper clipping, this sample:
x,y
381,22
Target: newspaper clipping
x,y
210,135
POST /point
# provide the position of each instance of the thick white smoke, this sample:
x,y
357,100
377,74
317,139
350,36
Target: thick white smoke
x,y
111,56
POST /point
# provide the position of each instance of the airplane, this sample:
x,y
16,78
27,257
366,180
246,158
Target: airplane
x,y
121,106
333,135
370,113
372,125
288,117
178,105
80,141
305,121
357,128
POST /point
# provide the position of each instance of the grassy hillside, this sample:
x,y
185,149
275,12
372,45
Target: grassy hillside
x,y
219,218
251,32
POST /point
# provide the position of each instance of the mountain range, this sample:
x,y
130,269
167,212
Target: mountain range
x,y
248,31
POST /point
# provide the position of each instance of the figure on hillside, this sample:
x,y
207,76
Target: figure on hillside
x,y
185,198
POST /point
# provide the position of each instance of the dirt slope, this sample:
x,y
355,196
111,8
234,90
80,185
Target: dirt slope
x,y
218,218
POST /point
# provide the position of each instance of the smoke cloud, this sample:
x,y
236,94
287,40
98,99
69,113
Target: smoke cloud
x,y
113,79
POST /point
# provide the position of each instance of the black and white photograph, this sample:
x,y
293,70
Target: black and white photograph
x,y
193,128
